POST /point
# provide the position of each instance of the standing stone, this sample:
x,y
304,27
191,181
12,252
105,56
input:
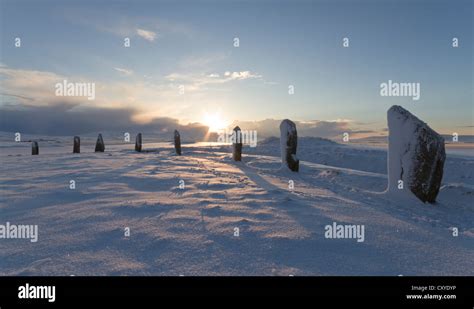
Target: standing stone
x,y
416,155
138,142
288,144
77,145
99,145
237,144
34,148
177,142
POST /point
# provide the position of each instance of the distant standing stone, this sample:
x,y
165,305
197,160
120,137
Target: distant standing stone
x,y
177,142
34,148
99,145
237,144
288,144
77,145
138,142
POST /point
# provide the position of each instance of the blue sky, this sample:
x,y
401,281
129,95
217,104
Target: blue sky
x,y
282,43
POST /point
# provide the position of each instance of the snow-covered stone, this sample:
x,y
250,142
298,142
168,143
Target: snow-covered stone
x,y
416,155
177,142
288,144
34,148
237,144
138,142
77,145
99,145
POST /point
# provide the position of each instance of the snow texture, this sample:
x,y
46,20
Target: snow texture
x,y
190,231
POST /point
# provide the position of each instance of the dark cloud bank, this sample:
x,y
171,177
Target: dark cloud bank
x,y
63,121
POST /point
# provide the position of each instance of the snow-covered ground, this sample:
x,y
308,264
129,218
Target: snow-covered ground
x,y
192,231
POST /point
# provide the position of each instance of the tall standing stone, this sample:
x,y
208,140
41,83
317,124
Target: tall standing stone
x,y
237,144
34,148
177,142
77,145
288,144
416,155
138,142
99,145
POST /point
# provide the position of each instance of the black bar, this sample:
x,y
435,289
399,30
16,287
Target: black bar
x,y
316,290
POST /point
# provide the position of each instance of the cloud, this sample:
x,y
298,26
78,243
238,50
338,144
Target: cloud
x,y
124,71
149,98
193,82
63,119
147,34
22,97
37,88
29,86
241,75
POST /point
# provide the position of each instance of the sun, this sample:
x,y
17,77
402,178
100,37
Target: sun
x,y
214,121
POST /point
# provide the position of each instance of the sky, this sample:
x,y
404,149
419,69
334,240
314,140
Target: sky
x,y
182,63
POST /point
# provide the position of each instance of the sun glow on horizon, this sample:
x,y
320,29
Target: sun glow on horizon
x,y
214,121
